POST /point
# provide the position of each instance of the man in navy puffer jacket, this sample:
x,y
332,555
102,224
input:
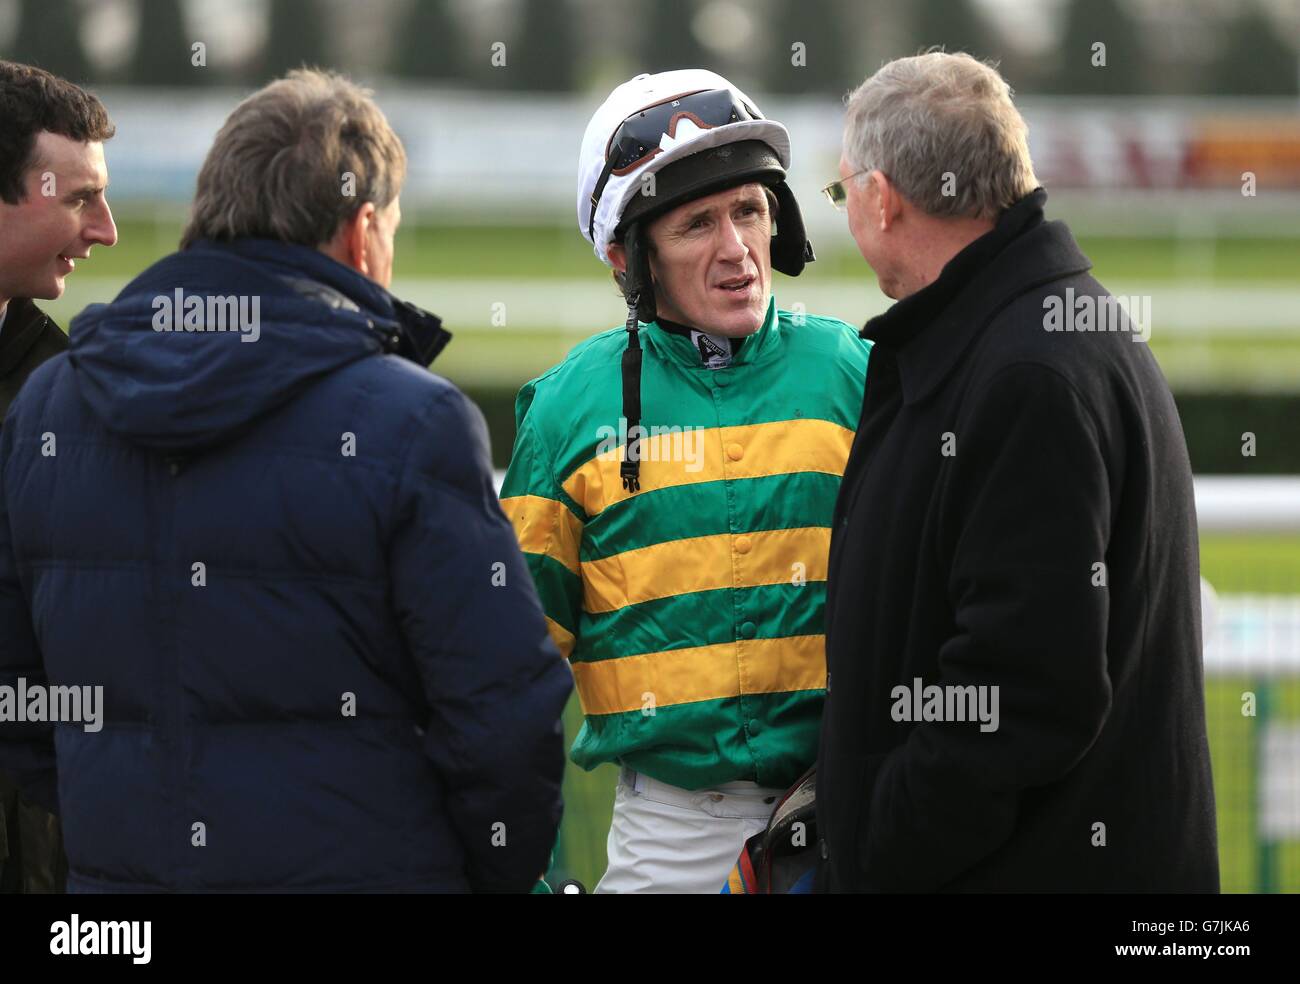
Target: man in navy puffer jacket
x,y
278,550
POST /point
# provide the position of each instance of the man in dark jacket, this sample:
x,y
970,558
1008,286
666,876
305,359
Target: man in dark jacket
x,y
272,538
1015,698
52,211
28,337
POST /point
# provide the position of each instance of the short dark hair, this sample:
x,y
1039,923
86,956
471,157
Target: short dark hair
x,y
32,101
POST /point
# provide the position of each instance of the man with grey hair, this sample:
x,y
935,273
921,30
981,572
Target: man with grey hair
x,y
1015,697
324,665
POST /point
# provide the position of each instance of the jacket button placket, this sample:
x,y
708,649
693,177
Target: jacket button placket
x,y
741,545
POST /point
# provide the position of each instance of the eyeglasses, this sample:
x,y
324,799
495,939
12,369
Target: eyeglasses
x,y
837,194
638,137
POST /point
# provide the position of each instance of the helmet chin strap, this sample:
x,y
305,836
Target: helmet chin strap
x,y
629,470
638,291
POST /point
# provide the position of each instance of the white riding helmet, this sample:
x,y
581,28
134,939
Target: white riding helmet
x,y
651,122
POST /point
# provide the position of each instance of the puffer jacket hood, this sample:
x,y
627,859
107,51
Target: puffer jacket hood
x,y
177,369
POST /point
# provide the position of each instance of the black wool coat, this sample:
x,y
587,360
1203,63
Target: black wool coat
x,y
1017,513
